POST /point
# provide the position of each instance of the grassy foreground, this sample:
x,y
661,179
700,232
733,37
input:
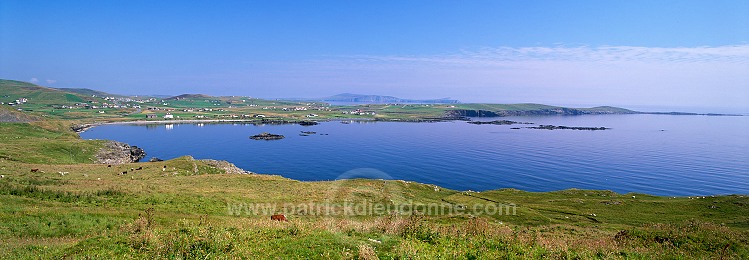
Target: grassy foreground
x,y
188,209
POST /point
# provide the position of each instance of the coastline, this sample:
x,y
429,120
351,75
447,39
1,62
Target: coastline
x,y
83,127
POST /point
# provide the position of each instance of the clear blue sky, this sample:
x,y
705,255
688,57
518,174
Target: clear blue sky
x,y
637,53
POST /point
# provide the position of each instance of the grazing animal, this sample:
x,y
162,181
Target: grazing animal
x,y
123,173
2,176
34,170
132,169
278,217
163,169
139,168
109,166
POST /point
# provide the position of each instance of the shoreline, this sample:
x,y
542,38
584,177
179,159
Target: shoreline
x,y
83,127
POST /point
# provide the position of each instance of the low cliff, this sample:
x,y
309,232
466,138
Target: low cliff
x,y
458,113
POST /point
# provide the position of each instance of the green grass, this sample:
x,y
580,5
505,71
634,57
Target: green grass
x,y
31,143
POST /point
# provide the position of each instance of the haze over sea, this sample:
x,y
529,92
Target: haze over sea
x,y
654,154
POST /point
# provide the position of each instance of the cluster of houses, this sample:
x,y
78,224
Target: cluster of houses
x,y
294,109
359,112
171,116
108,103
16,102
240,116
184,109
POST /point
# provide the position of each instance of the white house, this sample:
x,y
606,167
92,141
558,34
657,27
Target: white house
x,y
168,116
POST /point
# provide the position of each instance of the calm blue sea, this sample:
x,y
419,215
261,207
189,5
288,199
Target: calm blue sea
x,y
655,154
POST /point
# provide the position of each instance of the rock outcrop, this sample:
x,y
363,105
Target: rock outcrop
x,y
118,153
80,128
230,168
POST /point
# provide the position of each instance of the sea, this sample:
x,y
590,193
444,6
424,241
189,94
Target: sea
x,y
668,155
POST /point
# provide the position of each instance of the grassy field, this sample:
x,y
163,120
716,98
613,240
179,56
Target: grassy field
x,y
192,210
45,142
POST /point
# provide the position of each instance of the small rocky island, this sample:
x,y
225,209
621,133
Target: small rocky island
x,y
498,122
307,123
266,136
554,127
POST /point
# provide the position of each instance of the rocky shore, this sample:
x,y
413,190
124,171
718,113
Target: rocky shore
x,y
284,122
118,153
498,122
81,128
463,113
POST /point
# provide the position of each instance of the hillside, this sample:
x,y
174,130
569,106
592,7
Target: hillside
x,y
11,90
7,115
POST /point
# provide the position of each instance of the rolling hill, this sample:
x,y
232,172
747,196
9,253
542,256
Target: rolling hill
x,y
88,92
11,90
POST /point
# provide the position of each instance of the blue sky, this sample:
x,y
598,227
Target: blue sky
x,y
627,53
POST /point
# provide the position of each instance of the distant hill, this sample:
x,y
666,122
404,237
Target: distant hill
x,y
89,92
189,96
377,99
13,87
11,90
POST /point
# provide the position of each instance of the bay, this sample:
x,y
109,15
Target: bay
x,y
654,154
